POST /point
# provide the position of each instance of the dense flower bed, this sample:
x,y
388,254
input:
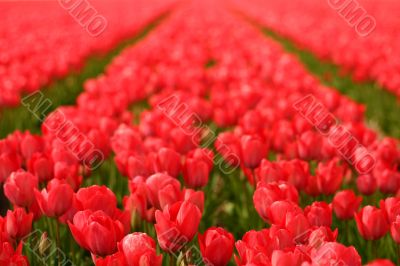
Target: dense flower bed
x,y
224,142
334,30
52,38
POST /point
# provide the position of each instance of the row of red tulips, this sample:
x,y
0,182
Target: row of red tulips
x,y
36,48
360,36
199,78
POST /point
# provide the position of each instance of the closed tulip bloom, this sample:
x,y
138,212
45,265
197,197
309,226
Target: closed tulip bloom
x,y
195,173
266,194
216,246
282,258
395,229
372,223
19,188
345,204
332,253
8,164
366,184
176,225
97,198
388,181
319,214
18,223
140,249
168,161
392,207
116,259
96,232
278,212
56,199
329,176
254,149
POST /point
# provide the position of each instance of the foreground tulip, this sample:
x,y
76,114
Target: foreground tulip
x,y
176,225
56,199
96,232
332,253
216,246
372,223
18,223
281,258
140,249
19,188
345,204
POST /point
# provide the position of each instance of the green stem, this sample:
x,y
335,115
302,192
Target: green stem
x,y
58,242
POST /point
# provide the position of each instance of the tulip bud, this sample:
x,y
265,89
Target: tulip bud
x,y
345,204
254,149
216,246
366,184
372,223
176,225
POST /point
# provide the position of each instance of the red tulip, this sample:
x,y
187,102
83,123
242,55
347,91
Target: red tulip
x,y
330,176
380,262
11,257
270,172
8,164
266,194
254,149
345,204
168,161
116,259
19,188
96,232
197,168
372,223
366,184
395,230
41,166
140,249
282,258
162,189
392,207
97,198
319,214
176,225
18,223
332,253
216,246
56,200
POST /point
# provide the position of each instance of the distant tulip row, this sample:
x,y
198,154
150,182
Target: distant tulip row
x,y
358,35
243,86
48,43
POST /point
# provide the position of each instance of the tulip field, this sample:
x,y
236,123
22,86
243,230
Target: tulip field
x,y
200,132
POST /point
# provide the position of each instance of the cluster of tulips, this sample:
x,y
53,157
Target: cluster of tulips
x,y
35,49
202,106
331,30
